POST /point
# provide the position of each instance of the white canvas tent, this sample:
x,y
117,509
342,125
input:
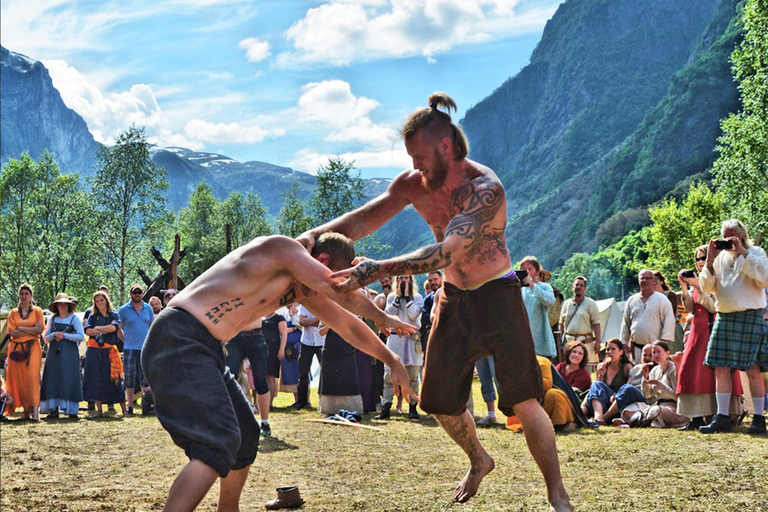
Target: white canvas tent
x,y
611,313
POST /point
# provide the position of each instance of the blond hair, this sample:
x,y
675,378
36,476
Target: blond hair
x,y
436,125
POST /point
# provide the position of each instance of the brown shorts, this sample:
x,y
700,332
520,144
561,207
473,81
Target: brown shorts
x,y
472,324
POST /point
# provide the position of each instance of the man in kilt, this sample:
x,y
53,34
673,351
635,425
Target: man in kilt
x,y
737,275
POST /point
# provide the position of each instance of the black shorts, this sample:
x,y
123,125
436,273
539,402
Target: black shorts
x,y
472,324
197,399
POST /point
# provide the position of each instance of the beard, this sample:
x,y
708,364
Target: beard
x,y
439,173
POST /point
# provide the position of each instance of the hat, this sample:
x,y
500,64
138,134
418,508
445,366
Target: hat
x,y
545,275
61,298
136,287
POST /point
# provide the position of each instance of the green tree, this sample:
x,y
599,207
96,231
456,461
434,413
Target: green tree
x,y
200,233
293,220
677,229
741,170
339,190
18,183
247,217
128,193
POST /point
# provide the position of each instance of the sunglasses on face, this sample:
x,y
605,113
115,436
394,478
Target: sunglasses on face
x,y
136,292
703,258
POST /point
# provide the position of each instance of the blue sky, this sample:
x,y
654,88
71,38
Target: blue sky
x,y
280,81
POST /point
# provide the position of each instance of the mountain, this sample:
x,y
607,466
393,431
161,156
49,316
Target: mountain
x,y
620,102
35,118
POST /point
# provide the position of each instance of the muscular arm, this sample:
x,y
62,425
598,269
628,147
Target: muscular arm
x,y
366,219
469,234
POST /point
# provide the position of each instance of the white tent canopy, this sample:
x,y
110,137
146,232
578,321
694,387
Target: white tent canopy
x,y
611,313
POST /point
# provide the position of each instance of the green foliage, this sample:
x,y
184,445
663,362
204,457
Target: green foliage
x,y
678,228
201,225
339,190
129,193
741,171
293,219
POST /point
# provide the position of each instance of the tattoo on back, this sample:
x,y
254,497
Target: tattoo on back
x,y
216,313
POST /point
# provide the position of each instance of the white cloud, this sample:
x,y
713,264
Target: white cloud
x,y
342,32
229,133
255,49
309,160
332,104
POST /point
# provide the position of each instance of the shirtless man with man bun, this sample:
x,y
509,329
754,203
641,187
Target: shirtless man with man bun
x,y
480,311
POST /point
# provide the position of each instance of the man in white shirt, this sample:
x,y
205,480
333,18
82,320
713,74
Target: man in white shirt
x,y
580,320
648,317
736,273
311,345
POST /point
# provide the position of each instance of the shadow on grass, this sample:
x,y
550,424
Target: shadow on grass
x,y
274,444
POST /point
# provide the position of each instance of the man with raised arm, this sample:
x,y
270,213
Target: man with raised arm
x,y
480,312
197,398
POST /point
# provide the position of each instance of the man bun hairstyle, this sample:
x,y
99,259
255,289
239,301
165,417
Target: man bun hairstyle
x,y
340,249
436,124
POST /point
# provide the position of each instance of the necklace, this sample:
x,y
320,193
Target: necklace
x,y
23,316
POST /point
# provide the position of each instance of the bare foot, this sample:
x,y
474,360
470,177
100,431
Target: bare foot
x,y
471,481
560,502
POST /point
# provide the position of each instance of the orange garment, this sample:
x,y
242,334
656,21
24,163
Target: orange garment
x,y
556,403
115,362
22,379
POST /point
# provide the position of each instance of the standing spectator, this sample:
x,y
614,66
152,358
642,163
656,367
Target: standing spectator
x,y
580,320
737,275
434,281
289,366
406,304
103,373
135,318
168,295
155,304
695,381
61,387
648,317
311,345
276,333
250,343
380,300
89,309
25,355
554,321
486,373
538,298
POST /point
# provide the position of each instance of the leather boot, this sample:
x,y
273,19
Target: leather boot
x,y
719,423
413,414
287,497
384,414
758,425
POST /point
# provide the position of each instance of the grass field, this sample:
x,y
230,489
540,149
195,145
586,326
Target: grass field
x,y
113,464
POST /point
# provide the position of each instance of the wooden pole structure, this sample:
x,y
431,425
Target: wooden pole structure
x,y
175,262
228,231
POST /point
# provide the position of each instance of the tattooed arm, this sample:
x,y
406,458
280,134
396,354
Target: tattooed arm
x,y
471,235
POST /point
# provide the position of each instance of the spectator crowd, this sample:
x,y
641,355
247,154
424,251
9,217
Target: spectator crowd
x,y
703,373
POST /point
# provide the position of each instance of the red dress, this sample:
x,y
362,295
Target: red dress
x,y
693,377
579,379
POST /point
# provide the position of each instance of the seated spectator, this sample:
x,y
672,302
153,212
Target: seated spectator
x,y
611,392
60,387
103,373
25,355
555,402
574,370
659,384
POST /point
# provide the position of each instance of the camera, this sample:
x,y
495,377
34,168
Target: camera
x,y
521,274
723,244
689,273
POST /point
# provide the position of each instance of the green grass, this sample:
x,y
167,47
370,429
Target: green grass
x,y
128,465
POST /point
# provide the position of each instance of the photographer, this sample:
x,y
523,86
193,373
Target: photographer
x,y
695,381
736,273
406,304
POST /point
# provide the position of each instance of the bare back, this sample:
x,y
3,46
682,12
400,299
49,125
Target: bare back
x,y
245,285
473,208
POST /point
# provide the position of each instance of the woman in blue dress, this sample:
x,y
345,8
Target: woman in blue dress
x,y
60,388
103,374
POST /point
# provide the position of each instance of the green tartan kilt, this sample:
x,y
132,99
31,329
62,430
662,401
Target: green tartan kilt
x,y
739,340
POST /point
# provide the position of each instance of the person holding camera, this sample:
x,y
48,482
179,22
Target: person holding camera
x,y
405,304
538,298
25,323
103,372
61,388
696,382
736,273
